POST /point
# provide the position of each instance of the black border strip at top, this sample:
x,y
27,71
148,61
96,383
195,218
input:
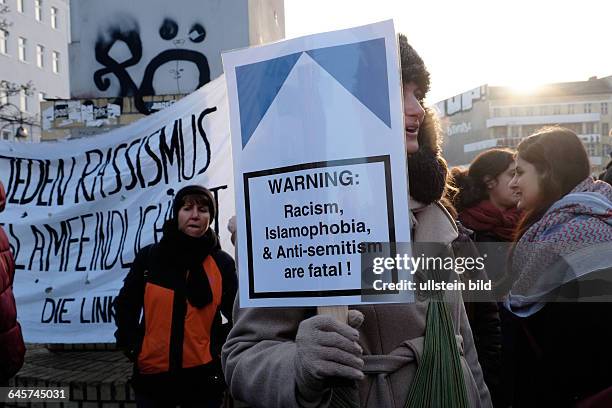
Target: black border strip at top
x,y
385,159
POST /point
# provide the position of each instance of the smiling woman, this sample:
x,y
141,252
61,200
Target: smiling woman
x,y
560,268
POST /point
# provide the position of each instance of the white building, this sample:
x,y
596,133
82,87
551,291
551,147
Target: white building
x,y
34,48
490,116
132,58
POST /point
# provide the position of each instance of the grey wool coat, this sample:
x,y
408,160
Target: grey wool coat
x,y
259,355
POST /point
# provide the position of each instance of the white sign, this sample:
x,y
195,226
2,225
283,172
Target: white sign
x,y
319,163
77,211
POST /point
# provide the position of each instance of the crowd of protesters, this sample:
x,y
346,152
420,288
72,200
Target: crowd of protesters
x,y
547,226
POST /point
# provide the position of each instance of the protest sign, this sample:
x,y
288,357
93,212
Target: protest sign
x,y
319,163
77,211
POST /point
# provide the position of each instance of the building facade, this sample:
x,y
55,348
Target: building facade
x,y
33,48
129,59
487,117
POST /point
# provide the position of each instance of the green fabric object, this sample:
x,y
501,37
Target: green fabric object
x,y
439,380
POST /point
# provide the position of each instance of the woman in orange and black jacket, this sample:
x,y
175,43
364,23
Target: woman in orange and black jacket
x,y
180,285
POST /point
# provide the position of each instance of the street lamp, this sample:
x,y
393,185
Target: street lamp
x,y
21,132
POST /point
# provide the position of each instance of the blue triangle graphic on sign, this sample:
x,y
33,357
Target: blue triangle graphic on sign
x,y
258,84
361,68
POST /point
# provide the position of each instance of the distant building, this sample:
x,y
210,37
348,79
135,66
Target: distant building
x,y
488,116
34,48
132,58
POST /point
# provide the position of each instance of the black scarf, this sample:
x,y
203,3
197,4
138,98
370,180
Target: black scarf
x,y
184,255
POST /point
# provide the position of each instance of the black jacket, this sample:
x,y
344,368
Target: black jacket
x,y
483,317
562,354
159,277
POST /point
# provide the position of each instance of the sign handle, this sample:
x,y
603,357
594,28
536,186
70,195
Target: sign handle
x,y
339,313
345,392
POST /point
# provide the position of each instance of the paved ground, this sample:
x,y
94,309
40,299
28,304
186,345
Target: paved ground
x,y
95,378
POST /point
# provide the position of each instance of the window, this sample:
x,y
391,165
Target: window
x,y
605,128
557,110
38,10
589,128
543,110
56,62
500,132
575,127
514,131
20,6
23,101
570,108
40,56
21,44
54,17
3,42
587,108
6,134
530,129
591,149
529,111
604,108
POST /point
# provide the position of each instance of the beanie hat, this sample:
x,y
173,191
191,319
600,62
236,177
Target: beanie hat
x,y
193,190
413,67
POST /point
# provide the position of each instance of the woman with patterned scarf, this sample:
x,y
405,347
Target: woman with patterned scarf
x,y
561,271
400,355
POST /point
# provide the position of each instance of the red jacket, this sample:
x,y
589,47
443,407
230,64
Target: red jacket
x,y
12,349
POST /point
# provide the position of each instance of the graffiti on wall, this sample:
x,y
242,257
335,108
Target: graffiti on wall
x,y
119,46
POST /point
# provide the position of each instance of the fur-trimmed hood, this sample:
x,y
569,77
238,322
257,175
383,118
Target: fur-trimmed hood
x,y
427,169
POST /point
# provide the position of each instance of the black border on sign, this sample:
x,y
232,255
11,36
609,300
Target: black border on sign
x,y
385,159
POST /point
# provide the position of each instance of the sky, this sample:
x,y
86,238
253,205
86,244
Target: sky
x,y
465,44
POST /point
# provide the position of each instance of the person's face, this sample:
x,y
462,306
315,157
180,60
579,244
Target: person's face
x,y
500,193
413,116
526,184
193,219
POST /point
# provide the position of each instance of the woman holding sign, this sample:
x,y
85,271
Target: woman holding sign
x,y
417,354
180,285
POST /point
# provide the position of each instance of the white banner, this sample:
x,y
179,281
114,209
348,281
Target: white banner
x,y
319,164
77,211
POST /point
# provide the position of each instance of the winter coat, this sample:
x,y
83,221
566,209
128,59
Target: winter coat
x,y
258,357
483,315
561,302
176,344
12,348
